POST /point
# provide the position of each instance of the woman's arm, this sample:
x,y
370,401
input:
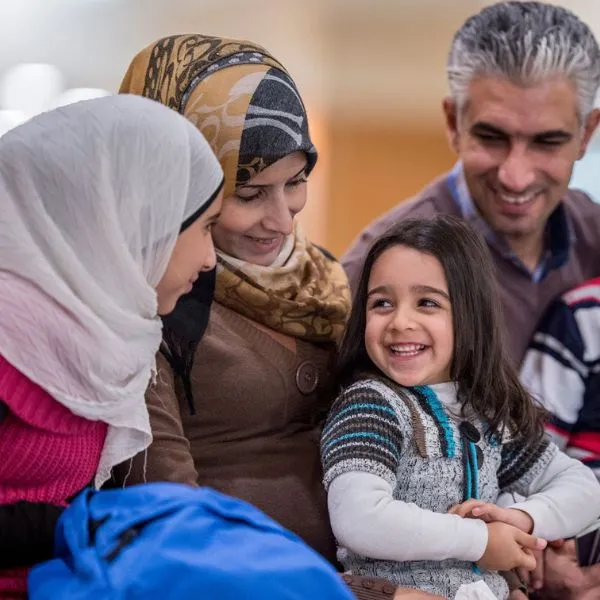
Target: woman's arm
x,y
374,588
169,457
27,533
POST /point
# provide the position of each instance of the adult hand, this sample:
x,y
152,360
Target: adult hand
x,y
406,594
564,579
375,587
535,579
517,595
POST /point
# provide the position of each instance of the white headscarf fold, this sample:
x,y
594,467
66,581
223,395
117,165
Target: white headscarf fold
x,y
92,199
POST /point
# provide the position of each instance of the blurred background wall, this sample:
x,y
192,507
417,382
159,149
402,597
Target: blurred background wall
x,y
371,73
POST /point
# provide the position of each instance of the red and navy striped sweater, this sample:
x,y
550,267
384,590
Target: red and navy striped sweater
x,y
562,369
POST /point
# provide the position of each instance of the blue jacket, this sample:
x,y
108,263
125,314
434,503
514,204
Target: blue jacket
x,y
169,541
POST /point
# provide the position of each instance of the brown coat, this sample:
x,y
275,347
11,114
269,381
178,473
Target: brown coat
x,y
259,405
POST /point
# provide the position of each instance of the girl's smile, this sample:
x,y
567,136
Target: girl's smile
x,y
409,334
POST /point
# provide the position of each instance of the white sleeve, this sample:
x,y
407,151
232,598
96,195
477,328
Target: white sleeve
x,y
564,499
367,520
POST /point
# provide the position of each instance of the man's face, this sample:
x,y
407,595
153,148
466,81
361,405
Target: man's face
x,y
518,146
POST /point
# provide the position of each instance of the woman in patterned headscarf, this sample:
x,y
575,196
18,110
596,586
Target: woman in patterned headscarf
x,y
244,416
241,410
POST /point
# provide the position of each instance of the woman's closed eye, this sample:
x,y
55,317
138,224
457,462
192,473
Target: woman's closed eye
x,y
296,182
246,195
261,193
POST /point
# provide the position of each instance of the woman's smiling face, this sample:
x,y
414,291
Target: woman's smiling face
x,y
256,219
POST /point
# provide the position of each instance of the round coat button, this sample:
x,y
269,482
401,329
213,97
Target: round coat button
x,y
307,377
470,431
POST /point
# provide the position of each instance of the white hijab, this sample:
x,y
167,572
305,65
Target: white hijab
x,y
92,199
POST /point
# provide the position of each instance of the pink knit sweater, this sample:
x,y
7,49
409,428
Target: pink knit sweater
x,y
48,454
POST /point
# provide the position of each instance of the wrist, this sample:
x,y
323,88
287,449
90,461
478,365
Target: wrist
x,y
524,520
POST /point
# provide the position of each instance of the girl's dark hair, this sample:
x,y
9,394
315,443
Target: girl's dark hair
x,y
487,380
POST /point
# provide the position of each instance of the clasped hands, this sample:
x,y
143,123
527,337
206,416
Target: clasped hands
x,y
510,543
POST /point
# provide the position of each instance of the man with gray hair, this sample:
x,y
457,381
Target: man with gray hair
x,y
523,77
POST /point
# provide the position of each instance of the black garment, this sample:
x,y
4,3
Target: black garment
x,y
184,327
27,533
26,529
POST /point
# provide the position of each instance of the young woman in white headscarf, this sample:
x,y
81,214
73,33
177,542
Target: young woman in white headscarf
x,y
106,210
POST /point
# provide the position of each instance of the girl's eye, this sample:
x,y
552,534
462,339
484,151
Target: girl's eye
x,y
428,303
380,303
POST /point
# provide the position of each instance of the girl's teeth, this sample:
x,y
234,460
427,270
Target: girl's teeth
x,y
407,349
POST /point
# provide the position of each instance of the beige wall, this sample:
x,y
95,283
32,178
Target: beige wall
x,y
371,72
373,169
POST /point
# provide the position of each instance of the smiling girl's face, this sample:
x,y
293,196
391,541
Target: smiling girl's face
x,y
409,333
256,219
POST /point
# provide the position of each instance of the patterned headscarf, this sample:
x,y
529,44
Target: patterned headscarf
x,y
248,108
239,97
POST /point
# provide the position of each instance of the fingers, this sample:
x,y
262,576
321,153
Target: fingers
x,y
465,509
526,561
525,576
530,542
488,512
536,580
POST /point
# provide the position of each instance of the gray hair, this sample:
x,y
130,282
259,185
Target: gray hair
x,y
525,42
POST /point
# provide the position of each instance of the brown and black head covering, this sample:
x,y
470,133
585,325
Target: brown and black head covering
x,y
235,92
248,108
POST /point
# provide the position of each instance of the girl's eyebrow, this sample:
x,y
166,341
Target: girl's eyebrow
x,y
380,289
266,185
427,289
419,289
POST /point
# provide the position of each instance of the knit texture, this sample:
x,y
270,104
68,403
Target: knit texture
x,y
48,453
371,429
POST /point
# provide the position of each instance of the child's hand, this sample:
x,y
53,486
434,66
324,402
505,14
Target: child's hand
x,y
509,548
491,513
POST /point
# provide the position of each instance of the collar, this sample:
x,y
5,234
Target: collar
x,y
559,235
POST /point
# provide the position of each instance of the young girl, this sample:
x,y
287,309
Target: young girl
x,y
432,420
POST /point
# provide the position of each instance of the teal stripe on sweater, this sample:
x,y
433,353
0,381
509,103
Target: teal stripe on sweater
x,y
440,416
